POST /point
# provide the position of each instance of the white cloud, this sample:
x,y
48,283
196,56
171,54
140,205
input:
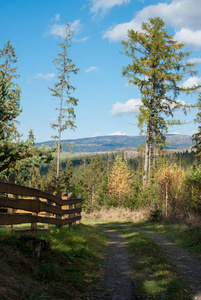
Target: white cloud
x,y
82,40
92,69
194,60
130,106
191,82
181,102
119,32
76,26
192,132
174,132
60,29
45,76
96,134
189,37
104,6
56,18
118,133
176,14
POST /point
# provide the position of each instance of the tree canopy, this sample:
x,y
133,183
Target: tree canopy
x,y
158,67
9,92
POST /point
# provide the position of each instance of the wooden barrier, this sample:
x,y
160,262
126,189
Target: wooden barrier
x,y
19,204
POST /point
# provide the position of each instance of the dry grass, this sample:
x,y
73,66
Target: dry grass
x,y
195,221
117,214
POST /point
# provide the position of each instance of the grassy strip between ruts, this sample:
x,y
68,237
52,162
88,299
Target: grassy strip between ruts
x,y
183,235
156,278
65,270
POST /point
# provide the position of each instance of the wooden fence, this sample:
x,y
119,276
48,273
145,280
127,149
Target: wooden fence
x,y
19,204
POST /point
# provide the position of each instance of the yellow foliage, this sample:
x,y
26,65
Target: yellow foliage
x,y
120,179
170,183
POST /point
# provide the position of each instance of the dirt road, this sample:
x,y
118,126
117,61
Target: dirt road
x,y
118,282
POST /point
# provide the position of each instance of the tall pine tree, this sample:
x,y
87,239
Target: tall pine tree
x,y
158,67
62,90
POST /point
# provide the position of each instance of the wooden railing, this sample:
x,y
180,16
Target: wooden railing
x,y
19,204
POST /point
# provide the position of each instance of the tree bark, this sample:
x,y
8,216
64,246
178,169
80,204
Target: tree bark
x,y
147,164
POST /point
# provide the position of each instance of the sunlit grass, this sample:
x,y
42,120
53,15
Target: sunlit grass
x,y
187,237
156,277
65,271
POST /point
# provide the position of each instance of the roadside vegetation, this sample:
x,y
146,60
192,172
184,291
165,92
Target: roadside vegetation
x,y
66,269
73,262
155,277
185,236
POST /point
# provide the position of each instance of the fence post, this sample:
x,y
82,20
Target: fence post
x,y
70,206
9,211
47,214
78,206
9,227
58,216
34,224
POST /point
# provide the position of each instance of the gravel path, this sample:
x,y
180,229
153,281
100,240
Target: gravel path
x,y
183,261
118,282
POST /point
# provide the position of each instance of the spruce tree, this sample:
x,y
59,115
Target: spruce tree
x,y
9,109
9,93
158,66
62,90
92,177
31,137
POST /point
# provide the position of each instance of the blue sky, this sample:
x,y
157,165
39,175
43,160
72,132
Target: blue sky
x,y
107,104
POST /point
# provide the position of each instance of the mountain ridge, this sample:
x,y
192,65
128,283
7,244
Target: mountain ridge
x,y
114,142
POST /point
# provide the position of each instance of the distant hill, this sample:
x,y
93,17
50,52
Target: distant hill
x,y
114,142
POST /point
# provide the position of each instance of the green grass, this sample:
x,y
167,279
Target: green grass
x,y
156,277
70,268
184,236
65,155
66,270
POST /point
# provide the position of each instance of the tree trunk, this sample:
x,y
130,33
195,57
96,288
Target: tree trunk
x,y
59,133
147,164
166,200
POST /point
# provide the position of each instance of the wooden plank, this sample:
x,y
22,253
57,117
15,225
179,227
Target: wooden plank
x,y
11,188
23,204
7,219
71,201
72,211
32,205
